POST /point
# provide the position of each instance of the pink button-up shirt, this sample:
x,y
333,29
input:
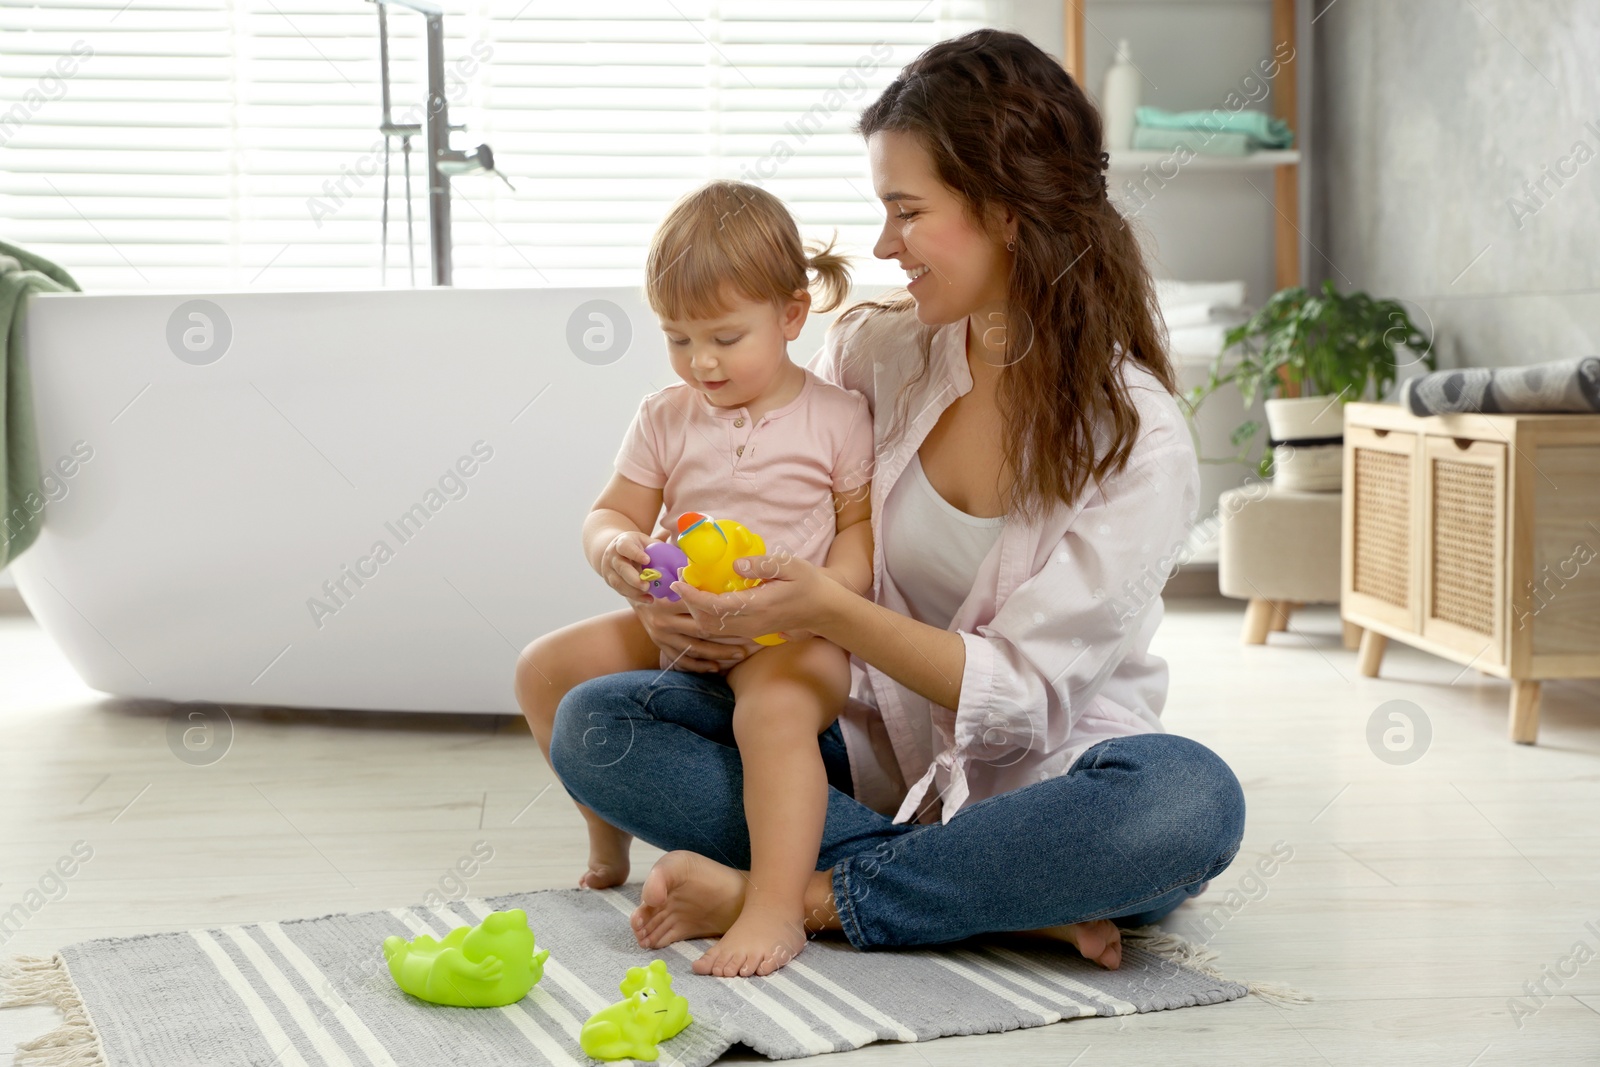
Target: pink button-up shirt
x,y
1057,626
721,462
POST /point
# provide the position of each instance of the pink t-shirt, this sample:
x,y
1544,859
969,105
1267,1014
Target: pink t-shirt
x,y
775,475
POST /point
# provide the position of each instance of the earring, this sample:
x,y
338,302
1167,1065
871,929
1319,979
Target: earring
x,y
1011,246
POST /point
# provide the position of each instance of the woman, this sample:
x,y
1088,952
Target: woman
x,y
1001,764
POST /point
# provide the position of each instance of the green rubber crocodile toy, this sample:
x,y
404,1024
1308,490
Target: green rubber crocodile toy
x,y
484,966
631,1028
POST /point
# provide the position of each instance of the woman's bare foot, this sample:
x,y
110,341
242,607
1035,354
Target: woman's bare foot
x,y
687,895
1099,940
608,858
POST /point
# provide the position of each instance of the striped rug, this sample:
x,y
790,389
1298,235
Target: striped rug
x,y
317,993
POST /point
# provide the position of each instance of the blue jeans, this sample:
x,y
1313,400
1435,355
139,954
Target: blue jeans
x,y
1134,828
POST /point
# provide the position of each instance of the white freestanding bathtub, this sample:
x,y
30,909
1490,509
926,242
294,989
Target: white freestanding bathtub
x,y
366,499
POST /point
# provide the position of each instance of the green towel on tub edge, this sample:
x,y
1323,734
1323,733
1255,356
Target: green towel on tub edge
x,y
21,491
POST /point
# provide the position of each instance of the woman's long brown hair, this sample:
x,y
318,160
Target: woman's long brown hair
x,y
1007,127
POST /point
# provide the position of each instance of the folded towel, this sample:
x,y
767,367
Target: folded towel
x,y
1563,385
1196,342
21,493
1200,142
1262,129
1212,295
1179,315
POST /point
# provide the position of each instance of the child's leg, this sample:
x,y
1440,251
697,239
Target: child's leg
x,y
559,661
784,697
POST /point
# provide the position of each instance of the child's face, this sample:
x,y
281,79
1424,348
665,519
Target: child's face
x,y
735,358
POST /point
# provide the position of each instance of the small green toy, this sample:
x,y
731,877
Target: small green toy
x,y
631,1028
484,966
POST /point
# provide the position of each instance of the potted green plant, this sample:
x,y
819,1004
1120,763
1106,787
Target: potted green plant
x,y
1309,354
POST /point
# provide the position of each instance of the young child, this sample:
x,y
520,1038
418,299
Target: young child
x,y
749,436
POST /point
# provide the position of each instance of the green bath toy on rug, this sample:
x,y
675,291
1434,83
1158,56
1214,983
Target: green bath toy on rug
x,y
484,966
631,1028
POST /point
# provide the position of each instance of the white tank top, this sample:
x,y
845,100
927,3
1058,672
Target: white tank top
x,y
931,548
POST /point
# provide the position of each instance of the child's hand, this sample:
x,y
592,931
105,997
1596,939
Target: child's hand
x,y
620,564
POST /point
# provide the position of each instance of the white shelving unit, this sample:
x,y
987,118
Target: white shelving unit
x,y
1218,218
1128,159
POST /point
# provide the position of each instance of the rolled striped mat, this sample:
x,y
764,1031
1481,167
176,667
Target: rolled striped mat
x,y
317,993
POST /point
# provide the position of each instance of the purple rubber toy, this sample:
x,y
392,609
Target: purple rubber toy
x,y
666,561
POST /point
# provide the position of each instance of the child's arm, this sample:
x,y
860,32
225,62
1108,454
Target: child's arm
x,y
623,508
850,555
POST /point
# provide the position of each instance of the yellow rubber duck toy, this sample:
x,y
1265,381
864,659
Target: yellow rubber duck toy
x,y
485,966
712,545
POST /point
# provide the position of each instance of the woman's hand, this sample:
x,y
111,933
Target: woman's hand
x,y
679,634
791,599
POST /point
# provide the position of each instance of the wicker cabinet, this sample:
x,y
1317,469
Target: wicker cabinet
x,y
1477,538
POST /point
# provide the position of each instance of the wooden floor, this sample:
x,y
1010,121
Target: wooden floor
x,y
1418,902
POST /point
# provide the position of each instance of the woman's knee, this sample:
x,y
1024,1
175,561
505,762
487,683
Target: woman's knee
x,y
1205,788
1186,802
592,728
1215,791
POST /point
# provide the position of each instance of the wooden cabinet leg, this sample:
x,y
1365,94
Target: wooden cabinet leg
x,y
1257,621
1350,633
1371,655
1281,610
1524,711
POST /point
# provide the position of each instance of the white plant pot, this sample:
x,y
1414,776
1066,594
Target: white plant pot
x,y
1305,418
1308,468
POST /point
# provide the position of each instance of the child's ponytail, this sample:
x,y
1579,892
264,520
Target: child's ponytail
x,y
734,235
832,272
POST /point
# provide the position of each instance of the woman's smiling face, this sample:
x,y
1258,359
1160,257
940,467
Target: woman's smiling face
x,y
954,268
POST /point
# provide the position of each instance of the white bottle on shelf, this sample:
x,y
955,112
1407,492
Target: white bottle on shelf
x,y
1120,99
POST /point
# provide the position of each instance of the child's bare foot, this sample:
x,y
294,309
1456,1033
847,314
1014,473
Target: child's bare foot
x,y
686,895
608,859
1099,940
759,942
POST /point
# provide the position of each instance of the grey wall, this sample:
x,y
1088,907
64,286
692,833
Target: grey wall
x,y
1431,116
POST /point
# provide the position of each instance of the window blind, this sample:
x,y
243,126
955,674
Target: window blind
x,y
226,144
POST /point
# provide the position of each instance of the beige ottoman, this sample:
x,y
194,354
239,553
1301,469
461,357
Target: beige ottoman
x,y
1279,549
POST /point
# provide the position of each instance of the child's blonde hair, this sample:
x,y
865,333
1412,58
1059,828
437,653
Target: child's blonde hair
x,y
737,234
